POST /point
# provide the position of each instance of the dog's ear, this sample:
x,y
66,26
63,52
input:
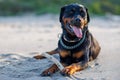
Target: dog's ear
x,y
88,18
61,13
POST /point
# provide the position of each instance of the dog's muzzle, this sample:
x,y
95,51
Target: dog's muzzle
x,y
76,22
74,27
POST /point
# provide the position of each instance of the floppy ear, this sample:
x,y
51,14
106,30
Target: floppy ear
x,y
61,13
88,18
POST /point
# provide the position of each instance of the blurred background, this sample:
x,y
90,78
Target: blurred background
x,y
31,27
19,7
30,21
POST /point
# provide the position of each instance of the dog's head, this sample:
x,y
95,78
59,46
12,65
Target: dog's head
x,y
74,18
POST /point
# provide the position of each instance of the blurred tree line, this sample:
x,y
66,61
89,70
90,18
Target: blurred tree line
x,y
18,7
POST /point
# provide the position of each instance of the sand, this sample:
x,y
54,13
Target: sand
x,y
22,37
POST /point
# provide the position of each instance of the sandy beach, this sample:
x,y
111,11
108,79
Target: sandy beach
x,y
22,37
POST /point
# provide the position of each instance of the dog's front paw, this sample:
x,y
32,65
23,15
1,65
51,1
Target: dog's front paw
x,y
47,73
38,57
69,70
50,71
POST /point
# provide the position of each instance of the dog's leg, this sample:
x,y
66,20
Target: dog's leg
x,y
51,70
51,52
71,69
95,48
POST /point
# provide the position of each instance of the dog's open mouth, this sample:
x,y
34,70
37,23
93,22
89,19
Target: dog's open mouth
x,y
75,30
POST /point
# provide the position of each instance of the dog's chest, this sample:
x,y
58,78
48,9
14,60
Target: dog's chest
x,y
72,54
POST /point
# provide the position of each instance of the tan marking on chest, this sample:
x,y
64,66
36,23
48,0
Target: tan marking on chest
x,y
78,54
64,53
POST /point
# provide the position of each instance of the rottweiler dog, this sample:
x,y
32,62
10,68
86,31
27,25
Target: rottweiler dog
x,y
76,46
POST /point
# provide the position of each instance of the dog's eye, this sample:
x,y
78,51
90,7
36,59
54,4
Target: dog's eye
x,y
82,13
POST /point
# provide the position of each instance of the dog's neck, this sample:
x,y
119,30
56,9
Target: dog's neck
x,y
70,37
72,44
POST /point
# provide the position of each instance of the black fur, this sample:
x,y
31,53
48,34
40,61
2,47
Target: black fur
x,y
90,46
88,49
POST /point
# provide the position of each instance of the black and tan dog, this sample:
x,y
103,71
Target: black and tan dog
x,y
76,46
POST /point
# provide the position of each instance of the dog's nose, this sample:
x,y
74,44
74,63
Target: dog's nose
x,y
77,20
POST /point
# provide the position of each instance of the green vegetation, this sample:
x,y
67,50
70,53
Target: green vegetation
x,y
18,7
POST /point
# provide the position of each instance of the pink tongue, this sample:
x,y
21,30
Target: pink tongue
x,y
77,31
